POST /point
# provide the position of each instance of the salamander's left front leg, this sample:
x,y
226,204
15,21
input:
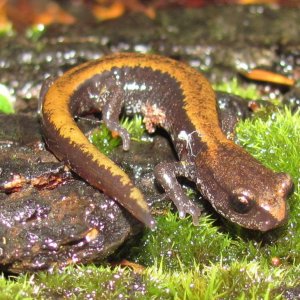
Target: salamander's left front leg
x,y
166,174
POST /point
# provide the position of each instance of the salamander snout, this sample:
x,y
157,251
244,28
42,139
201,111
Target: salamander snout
x,y
277,205
285,185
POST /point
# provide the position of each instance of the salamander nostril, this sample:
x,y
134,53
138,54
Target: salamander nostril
x,y
286,184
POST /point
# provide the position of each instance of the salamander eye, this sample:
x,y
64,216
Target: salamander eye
x,y
242,202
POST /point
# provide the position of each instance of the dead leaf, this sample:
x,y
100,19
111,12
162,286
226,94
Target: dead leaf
x,y
111,9
268,76
137,268
106,12
4,22
24,13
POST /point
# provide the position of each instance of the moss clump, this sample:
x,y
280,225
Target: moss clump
x,y
35,32
239,280
276,142
234,87
6,29
106,141
103,139
5,100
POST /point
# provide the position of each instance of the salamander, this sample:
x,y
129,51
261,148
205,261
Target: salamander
x,y
178,98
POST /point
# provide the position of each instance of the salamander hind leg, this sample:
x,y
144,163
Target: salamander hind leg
x,y
111,114
166,174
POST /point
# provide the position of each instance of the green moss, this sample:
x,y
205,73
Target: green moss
x,y
220,281
6,30
240,280
276,142
103,139
5,100
16,289
234,87
135,126
203,243
35,32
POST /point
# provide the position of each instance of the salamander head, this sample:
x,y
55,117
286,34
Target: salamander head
x,y
261,206
244,191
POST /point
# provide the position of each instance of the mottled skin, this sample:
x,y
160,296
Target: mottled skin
x,y
237,185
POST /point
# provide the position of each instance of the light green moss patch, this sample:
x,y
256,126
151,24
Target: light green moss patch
x,y
35,32
6,100
276,142
6,29
239,280
234,87
105,141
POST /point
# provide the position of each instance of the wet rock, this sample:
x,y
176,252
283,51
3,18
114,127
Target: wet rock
x,y
140,162
289,59
217,40
14,131
72,223
290,293
231,109
292,99
48,216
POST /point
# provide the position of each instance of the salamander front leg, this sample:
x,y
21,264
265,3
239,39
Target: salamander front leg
x,y
111,114
166,174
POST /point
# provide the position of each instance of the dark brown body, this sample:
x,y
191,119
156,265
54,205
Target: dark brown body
x,y
178,98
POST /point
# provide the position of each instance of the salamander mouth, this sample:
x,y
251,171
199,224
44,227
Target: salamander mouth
x,y
265,221
261,220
